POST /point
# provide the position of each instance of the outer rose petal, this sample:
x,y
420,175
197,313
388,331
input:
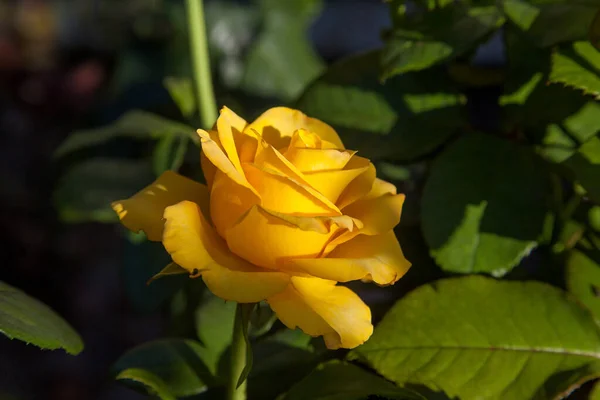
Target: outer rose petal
x,y
373,258
229,124
358,188
208,169
278,124
144,210
265,240
377,215
236,122
216,155
319,307
381,187
195,246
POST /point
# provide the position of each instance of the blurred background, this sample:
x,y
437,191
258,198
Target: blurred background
x,y
67,65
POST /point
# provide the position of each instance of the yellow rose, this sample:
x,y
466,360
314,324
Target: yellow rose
x,y
287,214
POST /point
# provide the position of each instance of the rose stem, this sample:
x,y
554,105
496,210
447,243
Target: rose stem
x,y
205,98
238,357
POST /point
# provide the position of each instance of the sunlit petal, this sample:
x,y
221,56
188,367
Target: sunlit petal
x,y
266,240
217,156
277,125
319,307
376,258
144,210
195,246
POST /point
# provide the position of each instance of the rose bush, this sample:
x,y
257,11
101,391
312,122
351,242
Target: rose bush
x,y
286,214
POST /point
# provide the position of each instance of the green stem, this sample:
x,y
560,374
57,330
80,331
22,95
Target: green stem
x,y
238,358
205,96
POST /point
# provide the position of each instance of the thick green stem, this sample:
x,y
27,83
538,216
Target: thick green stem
x,y
205,96
238,358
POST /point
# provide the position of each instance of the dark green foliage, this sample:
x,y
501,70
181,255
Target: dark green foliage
x,y
516,197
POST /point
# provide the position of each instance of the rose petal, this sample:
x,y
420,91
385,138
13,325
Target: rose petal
x,y
333,183
277,125
312,160
236,122
378,215
281,193
321,224
208,169
228,125
381,187
359,187
265,240
272,161
308,152
376,258
195,246
303,139
144,210
319,307
213,151
228,202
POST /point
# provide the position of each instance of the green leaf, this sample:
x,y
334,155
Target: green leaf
x,y
594,218
171,269
178,363
502,340
281,61
422,39
182,93
24,318
281,360
338,380
484,205
409,116
169,153
291,337
585,166
577,65
153,383
561,122
556,117
583,280
261,320
214,327
547,23
136,124
595,393
85,192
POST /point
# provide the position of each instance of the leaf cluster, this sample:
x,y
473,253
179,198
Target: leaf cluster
x,y
501,167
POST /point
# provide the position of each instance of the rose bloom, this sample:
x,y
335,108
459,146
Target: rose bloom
x,y
286,214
